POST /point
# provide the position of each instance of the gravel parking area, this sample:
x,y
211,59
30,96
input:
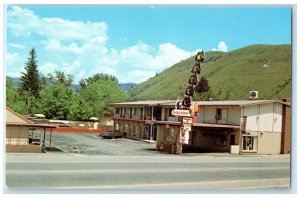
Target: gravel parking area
x,y
92,144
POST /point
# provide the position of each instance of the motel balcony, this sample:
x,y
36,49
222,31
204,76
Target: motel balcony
x,y
117,116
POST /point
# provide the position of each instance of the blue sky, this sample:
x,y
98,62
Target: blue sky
x,y
133,43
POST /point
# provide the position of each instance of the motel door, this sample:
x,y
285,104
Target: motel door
x,y
249,143
146,132
154,131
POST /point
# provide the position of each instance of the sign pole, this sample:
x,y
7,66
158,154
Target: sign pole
x,y
187,115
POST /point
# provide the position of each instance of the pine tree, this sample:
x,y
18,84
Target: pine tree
x,y
203,86
30,84
30,81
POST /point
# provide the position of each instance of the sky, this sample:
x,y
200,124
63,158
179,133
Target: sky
x,y
133,43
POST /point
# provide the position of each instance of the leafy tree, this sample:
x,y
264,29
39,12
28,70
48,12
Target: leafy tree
x,y
30,81
56,101
100,94
97,77
14,100
43,80
80,110
202,86
9,91
61,78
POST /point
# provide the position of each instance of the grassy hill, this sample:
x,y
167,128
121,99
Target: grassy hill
x,y
231,75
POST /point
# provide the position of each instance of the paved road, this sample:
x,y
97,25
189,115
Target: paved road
x,y
160,172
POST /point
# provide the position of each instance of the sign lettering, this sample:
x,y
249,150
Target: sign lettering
x,y
181,112
187,120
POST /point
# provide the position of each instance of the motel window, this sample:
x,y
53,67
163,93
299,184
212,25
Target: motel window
x,y
136,111
127,110
117,111
221,114
221,140
171,132
232,139
141,110
148,111
170,112
249,143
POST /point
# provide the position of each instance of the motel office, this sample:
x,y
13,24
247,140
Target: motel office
x,y
248,126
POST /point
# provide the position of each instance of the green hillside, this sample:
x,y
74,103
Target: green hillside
x,y
231,75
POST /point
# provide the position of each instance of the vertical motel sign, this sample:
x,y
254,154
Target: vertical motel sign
x,y
186,125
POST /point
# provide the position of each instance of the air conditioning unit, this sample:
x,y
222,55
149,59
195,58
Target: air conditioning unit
x,y
253,95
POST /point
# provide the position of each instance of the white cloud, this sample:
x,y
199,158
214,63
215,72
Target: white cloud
x,y
11,58
138,76
169,54
221,47
14,64
52,45
16,45
48,67
22,21
140,56
68,68
80,48
71,68
137,55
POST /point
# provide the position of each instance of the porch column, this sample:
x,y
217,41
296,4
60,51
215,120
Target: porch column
x,y
151,126
50,140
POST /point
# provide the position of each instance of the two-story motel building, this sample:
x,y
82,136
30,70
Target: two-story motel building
x,y
247,126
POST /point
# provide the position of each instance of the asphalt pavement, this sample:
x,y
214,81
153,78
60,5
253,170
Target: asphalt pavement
x,y
85,161
66,171
92,144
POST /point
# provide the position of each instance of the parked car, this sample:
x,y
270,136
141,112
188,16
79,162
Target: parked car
x,y
112,134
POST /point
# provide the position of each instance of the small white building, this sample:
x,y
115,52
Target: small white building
x,y
254,126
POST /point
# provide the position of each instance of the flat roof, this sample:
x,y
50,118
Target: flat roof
x,y
147,103
234,102
204,103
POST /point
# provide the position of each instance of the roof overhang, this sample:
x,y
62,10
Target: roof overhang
x,y
217,125
167,122
30,125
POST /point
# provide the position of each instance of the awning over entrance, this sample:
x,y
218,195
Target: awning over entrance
x,y
217,125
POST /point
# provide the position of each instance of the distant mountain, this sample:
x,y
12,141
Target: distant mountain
x,y
124,86
231,75
15,81
127,86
